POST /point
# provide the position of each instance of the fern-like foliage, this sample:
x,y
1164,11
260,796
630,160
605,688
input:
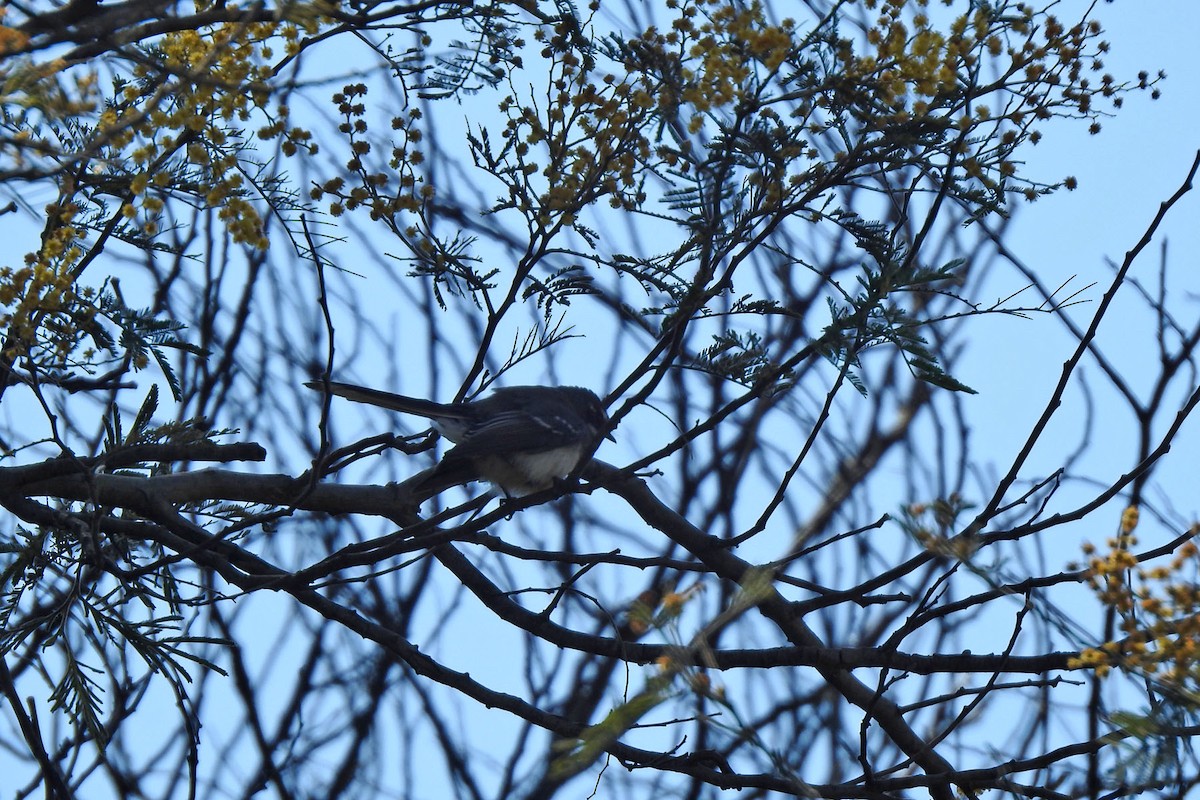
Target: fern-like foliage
x,y
737,356
872,316
469,65
558,288
453,270
143,335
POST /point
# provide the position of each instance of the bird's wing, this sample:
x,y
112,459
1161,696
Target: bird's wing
x,y
515,432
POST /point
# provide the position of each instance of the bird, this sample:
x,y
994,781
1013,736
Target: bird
x,y
521,439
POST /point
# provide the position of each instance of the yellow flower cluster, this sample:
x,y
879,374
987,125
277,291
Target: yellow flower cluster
x,y
1159,609
916,73
372,190
725,50
652,610
206,82
589,143
11,39
171,126
36,93
643,616
592,139
41,296
934,526
802,105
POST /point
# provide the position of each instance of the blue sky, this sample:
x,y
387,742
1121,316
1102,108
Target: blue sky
x,y
1138,160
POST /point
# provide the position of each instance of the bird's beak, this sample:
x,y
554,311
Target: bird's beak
x,y
610,437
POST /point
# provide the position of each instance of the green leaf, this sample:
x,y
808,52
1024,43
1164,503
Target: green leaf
x,y
79,695
144,415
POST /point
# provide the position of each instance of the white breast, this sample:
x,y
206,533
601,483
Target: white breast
x,y
525,473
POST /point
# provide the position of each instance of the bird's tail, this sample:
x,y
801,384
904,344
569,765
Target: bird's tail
x,y
394,402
